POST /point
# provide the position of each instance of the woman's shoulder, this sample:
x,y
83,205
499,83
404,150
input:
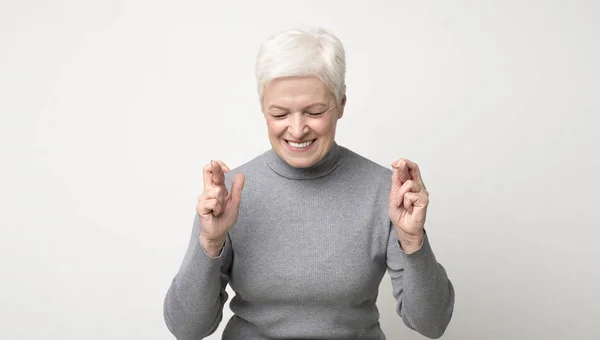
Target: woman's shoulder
x,y
366,166
251,166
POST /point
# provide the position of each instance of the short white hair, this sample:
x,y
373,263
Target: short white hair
x,y
296,52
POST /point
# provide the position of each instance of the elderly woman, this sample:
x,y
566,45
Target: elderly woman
x,y
309,227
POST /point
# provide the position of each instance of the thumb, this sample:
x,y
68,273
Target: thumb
x,y
236,188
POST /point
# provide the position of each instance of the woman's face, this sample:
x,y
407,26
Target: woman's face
x,y
301,115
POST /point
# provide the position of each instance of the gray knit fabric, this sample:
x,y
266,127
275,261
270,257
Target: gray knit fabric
x,y
306,258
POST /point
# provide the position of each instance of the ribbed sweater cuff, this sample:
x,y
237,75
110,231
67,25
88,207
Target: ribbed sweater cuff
x,y
422,261
201,268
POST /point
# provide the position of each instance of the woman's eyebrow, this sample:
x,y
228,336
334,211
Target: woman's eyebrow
x,y
309,106
278,107
315,105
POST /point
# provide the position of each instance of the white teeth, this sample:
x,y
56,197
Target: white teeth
x,y
300,145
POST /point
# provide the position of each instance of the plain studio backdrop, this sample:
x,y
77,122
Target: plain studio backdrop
x,y
110,109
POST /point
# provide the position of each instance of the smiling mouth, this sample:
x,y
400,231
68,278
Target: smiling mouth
x,y
300,145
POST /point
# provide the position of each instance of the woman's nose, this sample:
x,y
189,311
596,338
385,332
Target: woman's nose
x,y
298,127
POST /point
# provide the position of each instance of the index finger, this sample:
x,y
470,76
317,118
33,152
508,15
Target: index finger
x,y
218,178
401,170
207,174
399,176
415,172
412,169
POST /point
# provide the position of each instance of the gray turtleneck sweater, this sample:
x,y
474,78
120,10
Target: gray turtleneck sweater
x,y
306,258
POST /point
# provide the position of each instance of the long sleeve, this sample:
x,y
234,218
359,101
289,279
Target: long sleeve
x,y
193,306
424,294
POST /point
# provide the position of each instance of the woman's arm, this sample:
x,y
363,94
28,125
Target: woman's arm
x,y
193,306
424,294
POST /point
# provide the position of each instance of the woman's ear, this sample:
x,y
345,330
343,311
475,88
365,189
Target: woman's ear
x,y
342,106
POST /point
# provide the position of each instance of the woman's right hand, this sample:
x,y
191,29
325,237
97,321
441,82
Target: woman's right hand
x,y
218,210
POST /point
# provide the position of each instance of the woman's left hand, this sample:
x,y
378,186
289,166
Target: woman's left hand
x,y
408,204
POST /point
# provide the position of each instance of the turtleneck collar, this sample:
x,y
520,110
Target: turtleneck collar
x,y
325,166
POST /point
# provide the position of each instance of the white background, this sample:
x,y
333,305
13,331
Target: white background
x,y
109,109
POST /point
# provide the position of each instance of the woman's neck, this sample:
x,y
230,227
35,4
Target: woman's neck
x,y
322,168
